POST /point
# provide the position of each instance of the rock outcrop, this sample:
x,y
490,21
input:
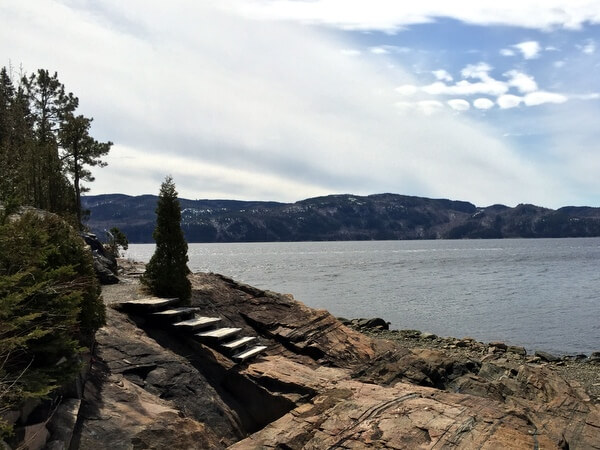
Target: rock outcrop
x,y
105,264
319,385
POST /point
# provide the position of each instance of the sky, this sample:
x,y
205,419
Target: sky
x,y
483,101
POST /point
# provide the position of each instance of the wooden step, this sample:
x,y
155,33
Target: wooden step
x,y
219,334
249,353
238,343
149,304
198,322
175,312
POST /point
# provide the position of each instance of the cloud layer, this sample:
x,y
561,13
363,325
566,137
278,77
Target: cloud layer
x,y
391,17
235,107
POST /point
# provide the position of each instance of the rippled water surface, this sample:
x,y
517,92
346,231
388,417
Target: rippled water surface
x,y
542,294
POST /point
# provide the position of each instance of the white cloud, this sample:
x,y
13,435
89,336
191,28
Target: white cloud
x,y
407,89
589,48
479,71
429,107
442,75
523,82
508,101
559,64
247,109
591,96
459,104
389,49
464,87
486,84
483,103
529,49
532,99
379,50
390,17
541,97
507,52
350,52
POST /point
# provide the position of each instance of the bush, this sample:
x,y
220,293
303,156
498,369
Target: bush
x,y
50,305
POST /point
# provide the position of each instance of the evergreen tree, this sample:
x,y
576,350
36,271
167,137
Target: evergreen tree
x,y
166,273
44,145
50,306
16,138
79,149
116,241
49,105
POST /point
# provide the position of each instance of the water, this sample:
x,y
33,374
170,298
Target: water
x,y
539,293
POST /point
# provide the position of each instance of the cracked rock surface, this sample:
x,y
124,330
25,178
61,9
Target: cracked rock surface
x,y
319,385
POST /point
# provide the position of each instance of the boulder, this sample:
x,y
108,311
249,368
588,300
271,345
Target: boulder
x,y
498,345
376,323
516,350
105,264
101,266
430,336
63,421
544,356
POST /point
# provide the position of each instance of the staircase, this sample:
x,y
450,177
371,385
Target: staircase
x,y
205,329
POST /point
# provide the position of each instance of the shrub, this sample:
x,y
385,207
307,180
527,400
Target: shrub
x,y
50,305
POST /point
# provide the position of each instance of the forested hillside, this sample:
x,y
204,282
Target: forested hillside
x,y
341,217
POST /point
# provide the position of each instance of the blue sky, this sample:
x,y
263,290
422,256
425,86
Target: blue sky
x,y
288,99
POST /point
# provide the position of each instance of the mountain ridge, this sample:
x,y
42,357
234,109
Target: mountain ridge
x,y
384,216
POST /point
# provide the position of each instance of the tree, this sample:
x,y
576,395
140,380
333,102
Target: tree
x,y
80,149
16,139
49,106
50,306
44,145
166,273
116,241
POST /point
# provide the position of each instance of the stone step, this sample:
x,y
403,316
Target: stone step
x,y
246,354
198,322
149,304
175,312
219,334
238,343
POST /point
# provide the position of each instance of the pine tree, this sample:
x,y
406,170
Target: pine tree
x,y
16,140
166,273
49,106
45,149
79,149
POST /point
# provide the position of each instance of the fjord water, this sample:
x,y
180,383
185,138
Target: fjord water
x,y
543,294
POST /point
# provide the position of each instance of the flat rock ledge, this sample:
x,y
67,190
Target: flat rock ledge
x,y
320,385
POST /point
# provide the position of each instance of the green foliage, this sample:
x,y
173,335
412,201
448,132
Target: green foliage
x,y
50,305
79,149
166,273
44,148
116,241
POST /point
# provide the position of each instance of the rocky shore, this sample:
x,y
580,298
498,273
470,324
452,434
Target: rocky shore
x,y
320,384
581,369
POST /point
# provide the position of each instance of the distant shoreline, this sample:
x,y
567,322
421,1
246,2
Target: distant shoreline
x,y
341,218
